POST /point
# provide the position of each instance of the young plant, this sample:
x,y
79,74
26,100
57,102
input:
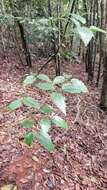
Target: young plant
x,y
54,88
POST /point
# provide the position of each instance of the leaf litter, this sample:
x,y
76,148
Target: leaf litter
x,y
79,161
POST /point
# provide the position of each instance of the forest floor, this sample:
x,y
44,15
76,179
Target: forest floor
x,y
79,161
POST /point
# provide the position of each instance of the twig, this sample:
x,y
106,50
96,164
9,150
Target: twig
x,y
50,59
45,64
78,111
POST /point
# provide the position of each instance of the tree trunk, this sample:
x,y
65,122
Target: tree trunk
x,y
103,103
101,36
24,45
22,33
58,57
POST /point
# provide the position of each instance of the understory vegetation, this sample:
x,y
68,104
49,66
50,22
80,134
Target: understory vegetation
x,y
53,56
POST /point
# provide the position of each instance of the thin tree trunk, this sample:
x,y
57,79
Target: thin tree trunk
x,y
100,44
103,103
24,44
22,34
58,60
71,10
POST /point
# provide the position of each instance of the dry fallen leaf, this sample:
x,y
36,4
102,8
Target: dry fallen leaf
x,y
9,187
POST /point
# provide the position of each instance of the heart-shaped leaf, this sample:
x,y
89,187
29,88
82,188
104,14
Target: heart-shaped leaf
x,y
86,34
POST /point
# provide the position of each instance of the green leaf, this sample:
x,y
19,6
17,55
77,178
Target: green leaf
x,y
59,80
79,18
45,86
59,122
75,86
29,80
85,34
43,77
27,123
30,102
28,138
59,101
45,125
46,109
14,105
97,29
45,141
76,22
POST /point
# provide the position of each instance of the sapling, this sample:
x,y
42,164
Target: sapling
x,y
54,89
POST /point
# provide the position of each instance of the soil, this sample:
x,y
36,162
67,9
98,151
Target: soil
x,y
79,161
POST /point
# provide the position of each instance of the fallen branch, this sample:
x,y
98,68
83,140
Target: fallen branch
x,y
48,61
78,112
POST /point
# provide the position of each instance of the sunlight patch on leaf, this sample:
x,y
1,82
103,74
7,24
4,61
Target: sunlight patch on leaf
x,y
79,18
59,100
45,125
75,86
86,34
43,77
